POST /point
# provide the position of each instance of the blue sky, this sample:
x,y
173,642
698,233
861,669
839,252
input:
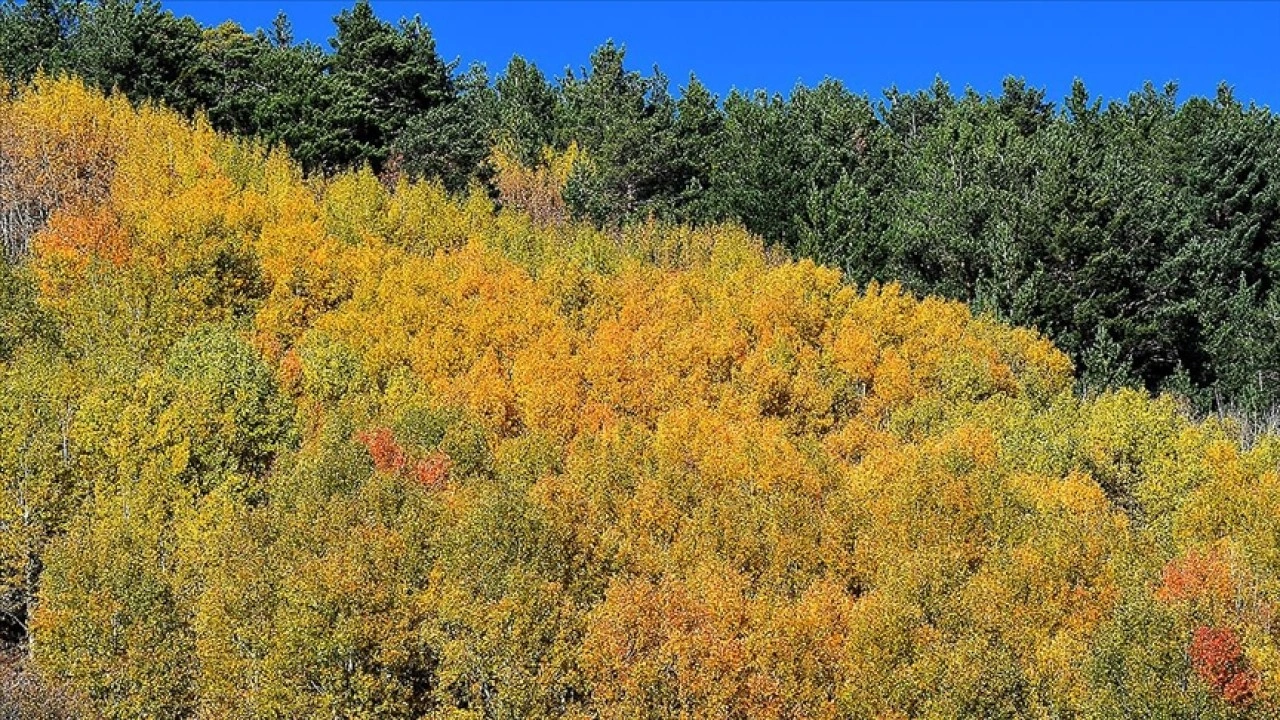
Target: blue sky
x,y
1113,47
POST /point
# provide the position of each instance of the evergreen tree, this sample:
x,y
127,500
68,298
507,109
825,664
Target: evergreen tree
x,y
36,34
527,111
142,50
697,132
623,122
383,76
450,142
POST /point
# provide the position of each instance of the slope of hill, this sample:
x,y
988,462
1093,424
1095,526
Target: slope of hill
x,y
282,446
1141,235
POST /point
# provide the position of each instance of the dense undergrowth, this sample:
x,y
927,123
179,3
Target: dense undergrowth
x,y
285,446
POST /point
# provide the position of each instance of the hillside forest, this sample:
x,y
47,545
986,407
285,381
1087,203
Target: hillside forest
x,y
349,384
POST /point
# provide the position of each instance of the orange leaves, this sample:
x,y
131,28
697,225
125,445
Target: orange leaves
x,y
74,238
138,219
389,457
796,302
58,146
1206,588
386,453
669,648
1197,576
901,353
1217,657
63,139
703,646
290,371
855,351
433,470
549,385
800,650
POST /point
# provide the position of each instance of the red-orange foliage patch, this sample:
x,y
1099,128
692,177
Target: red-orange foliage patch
x,y
1218,658
433,470
1196,576
388,456
82,234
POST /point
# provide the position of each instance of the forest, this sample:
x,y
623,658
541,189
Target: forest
x,y
348,384
1139,236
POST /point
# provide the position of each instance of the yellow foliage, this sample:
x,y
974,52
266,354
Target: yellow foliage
x,y
674,475
538,191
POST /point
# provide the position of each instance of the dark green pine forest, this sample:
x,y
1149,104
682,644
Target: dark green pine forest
x,y
1141,236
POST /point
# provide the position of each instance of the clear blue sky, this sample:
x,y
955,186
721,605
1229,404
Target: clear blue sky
x,y
1113,47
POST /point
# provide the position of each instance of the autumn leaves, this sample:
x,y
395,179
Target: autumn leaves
x,y
305,447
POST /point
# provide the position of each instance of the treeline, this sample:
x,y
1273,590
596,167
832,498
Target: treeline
x,y
1140,235
278,446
